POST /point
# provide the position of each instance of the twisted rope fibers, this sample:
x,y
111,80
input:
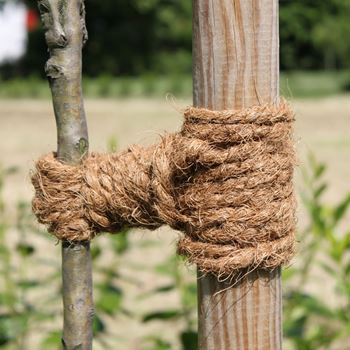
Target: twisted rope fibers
x,y
224,180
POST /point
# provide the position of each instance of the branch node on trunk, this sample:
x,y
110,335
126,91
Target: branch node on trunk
x,y
52,69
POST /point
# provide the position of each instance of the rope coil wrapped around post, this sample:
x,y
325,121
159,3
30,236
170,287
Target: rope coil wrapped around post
x,y
225,180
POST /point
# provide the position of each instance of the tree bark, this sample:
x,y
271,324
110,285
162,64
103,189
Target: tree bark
x,y
64,23
236,65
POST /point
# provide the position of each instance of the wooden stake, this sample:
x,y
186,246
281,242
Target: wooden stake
x,y
64,22
236,65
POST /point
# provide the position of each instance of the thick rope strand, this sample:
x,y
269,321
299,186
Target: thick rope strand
x,y
224,180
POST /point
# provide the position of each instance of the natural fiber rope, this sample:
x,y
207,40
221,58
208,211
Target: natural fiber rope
x,y
225,181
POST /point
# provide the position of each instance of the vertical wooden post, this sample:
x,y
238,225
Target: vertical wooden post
x,y
64,23
236,65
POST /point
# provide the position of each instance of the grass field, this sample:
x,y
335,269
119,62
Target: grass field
x,y
293,85
28,130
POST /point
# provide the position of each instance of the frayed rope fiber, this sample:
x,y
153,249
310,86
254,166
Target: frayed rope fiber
x,y
225,180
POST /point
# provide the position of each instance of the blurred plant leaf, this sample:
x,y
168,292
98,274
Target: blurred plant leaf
x,y
27,284
168,268
4,251
25,249
110,299
164,289
288,273
340,209
98,325
7,298
95,251
157,343
320,190
189,340
120,242
319,170
189,295
162,315
11,326
112,144
11,170
52,340
329,269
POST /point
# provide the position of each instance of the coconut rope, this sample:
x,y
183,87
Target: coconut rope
x,y
224,180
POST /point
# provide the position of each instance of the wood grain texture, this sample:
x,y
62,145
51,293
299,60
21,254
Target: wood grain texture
x,y
236,65
235,53
246,316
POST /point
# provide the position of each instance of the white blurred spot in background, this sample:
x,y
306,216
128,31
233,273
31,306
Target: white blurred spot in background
x,y
13,30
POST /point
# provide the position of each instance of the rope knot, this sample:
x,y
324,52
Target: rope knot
x,y
225,180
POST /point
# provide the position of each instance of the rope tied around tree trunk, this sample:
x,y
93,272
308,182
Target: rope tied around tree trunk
x,y
225,180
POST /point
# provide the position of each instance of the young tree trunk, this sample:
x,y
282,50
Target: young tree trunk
x,y
64,22
236,65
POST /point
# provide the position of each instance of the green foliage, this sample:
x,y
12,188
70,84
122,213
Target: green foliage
x,y
162,315
318,84
104,87
329,34
52,340
156,343
293,84
312,34
110,298
138,37
185,314
20,314
125,38
312,322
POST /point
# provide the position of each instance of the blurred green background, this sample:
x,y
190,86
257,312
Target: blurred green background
x,y
138,51
140,47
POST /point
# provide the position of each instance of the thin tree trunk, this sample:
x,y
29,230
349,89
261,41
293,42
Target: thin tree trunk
x,y
236,65
64,22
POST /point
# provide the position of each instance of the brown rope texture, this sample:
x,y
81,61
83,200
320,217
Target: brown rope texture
x,y
225,180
